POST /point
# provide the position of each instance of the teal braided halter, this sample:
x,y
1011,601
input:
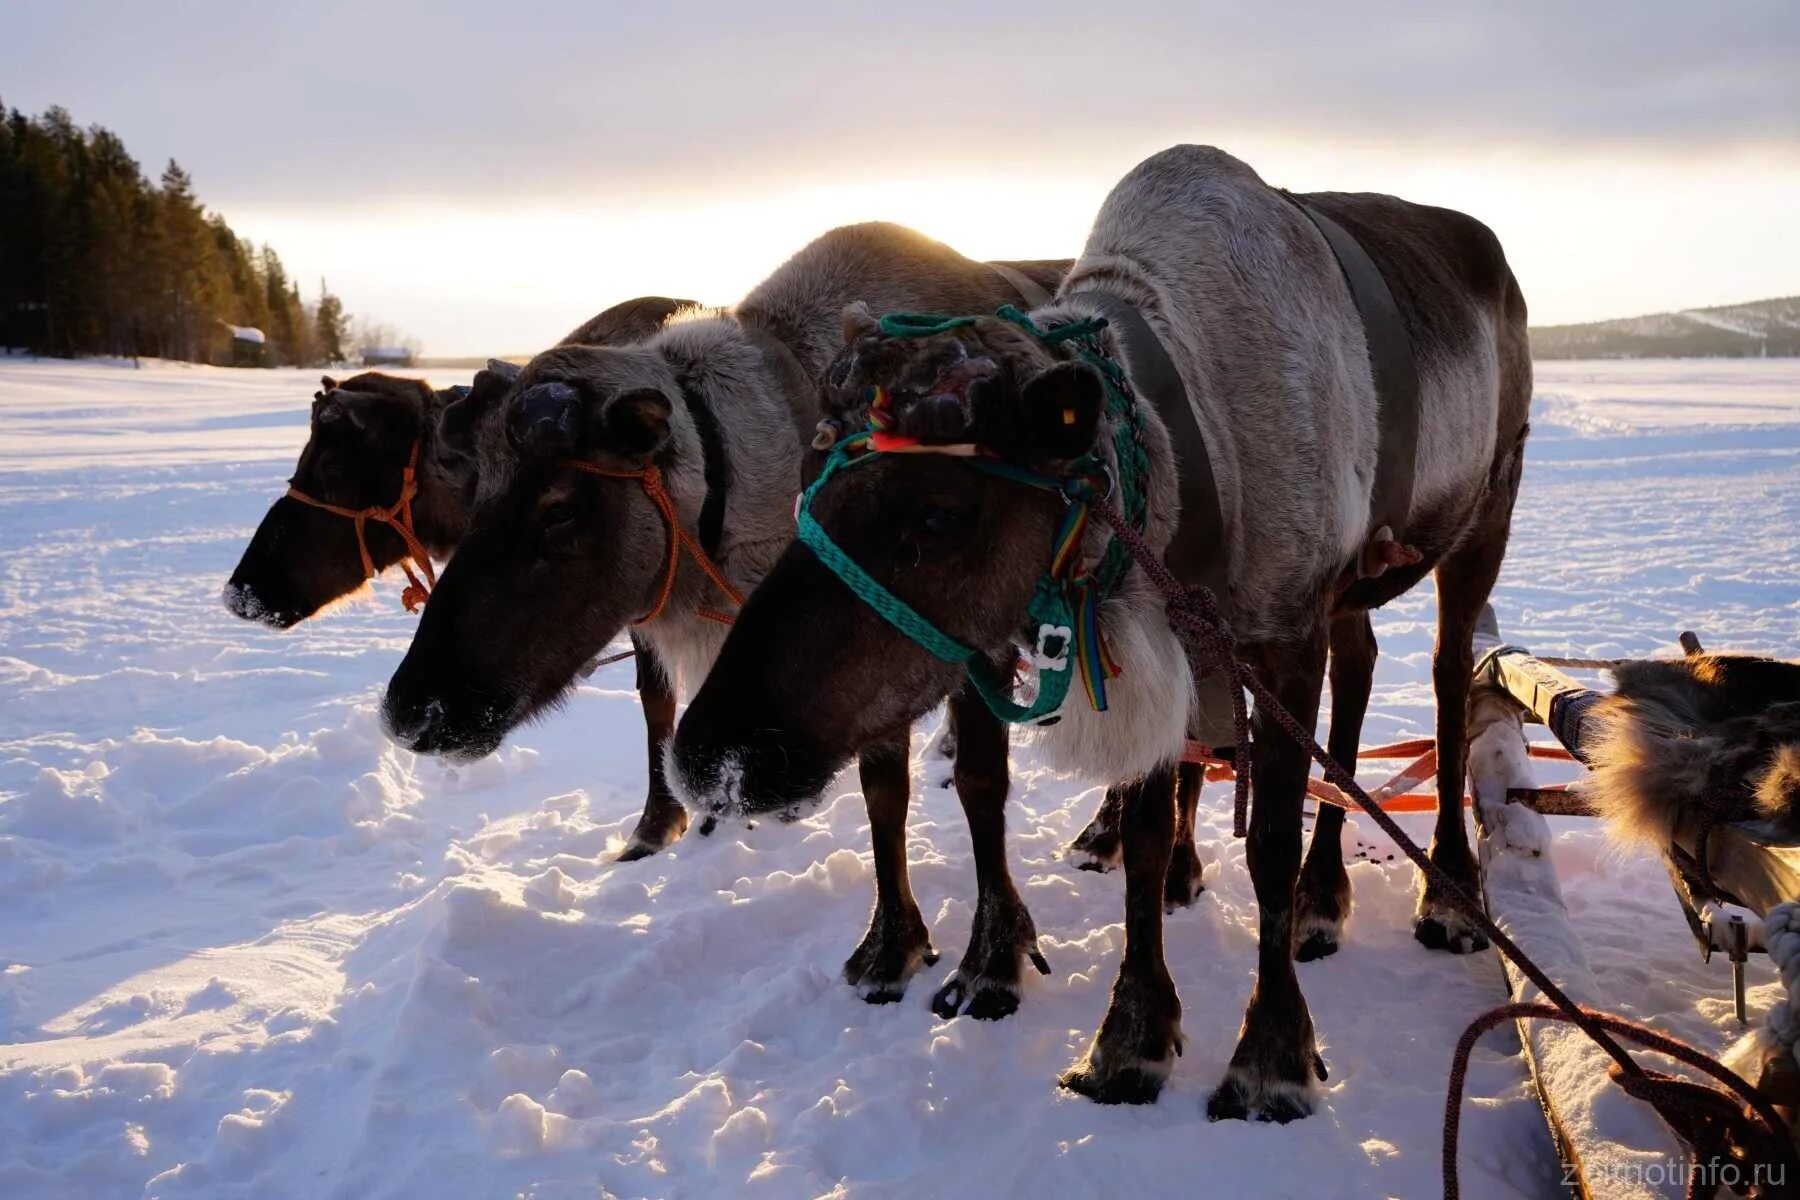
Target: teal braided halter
x,y
1064,607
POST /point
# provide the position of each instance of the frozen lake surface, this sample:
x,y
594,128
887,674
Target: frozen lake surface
x,y
250,948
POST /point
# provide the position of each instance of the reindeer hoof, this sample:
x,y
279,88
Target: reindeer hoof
x,y
891,953
983,999
1101,853
1456,936
656,831
1182,884
1238,1098
1125,1085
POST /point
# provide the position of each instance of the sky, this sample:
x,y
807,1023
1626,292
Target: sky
x,y
485,176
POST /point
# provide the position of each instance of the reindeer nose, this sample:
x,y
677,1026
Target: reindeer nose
x,y
239,602
417,728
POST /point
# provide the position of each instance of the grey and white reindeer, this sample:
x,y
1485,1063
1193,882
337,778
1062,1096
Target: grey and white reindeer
x,y
1242,291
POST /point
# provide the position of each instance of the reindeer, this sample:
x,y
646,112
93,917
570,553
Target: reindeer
x,y
925,542
650,486
371,435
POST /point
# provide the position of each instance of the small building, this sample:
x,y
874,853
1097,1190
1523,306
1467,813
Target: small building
x,y
387,356
248,346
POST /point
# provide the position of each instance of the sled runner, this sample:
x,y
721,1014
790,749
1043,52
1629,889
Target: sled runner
x,y
1736,881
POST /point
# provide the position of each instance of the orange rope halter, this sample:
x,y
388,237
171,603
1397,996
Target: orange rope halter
x,y
651,479
398,516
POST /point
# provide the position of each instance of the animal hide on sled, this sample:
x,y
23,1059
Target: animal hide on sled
x,y
1683,734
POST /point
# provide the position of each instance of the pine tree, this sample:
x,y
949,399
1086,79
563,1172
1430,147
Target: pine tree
x,y
331,326
97,259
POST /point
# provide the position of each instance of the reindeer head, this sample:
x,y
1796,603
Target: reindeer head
x,y
302,558
810,673
556,561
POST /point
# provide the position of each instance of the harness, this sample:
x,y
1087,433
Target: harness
x,y
398,517
1197,554
1065,604
711,525
1031,294
1396,378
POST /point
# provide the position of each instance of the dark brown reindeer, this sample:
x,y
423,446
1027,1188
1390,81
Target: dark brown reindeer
x,y
1243,292
365,433
570,541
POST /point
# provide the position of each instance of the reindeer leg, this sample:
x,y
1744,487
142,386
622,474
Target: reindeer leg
x,y
897,945
1135,1048
1097,848
986,983
1322,899
1182,886
1464,580
663,819
1272,1071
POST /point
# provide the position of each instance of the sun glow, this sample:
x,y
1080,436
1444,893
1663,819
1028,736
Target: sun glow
x,y
501,280
1589,236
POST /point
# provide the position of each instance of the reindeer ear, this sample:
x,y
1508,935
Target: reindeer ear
x,y
637,422
1059,411
859,322
328,383
458,420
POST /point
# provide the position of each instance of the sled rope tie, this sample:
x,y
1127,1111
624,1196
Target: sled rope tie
x,y
397,516
650,477
1708,1118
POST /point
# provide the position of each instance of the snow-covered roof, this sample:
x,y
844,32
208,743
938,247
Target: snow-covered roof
x,y
386,352
247,333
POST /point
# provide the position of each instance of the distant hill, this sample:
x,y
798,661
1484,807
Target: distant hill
x,y
1761,328
1757,329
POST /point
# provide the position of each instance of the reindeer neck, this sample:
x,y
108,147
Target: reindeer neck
x,y
440,509
741,389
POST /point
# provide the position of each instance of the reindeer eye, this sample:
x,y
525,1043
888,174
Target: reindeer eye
x,y
935,520
556,515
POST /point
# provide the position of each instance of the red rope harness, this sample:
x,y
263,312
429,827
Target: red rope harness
x,y
397,516
679,539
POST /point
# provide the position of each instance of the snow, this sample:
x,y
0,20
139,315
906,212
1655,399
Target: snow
x,y
248,947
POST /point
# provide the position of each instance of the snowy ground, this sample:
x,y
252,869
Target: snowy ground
x,y
248,948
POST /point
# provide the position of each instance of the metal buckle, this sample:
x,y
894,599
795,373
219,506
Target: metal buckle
x,y
1072,486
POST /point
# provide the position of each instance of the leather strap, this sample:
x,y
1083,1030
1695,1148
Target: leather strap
x,y
1395,373
1197,555
1031,293
717,468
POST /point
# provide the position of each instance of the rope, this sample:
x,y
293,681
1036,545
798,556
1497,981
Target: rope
x,y
1194,612
397,516
1705,1117
679,539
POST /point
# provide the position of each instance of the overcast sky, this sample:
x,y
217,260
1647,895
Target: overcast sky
x,y
486,175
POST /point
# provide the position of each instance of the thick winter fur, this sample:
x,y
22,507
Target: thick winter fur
x,y
1252,307
1245,295
717,355
1678,733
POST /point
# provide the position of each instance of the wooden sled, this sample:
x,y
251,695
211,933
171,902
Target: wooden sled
x,y
1608,1148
